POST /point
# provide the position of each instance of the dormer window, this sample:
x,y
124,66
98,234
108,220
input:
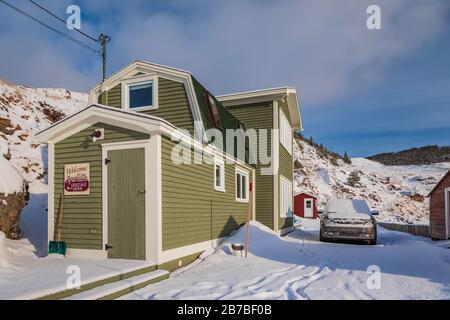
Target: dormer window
x,y
213,111
140,94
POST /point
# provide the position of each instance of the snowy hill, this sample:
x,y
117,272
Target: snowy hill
x,y
25,111
397,192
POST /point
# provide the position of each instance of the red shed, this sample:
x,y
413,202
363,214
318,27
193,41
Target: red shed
x,y
305,206
440,209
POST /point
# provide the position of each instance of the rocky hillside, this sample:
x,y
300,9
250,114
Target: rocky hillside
x,y
397,192
25,111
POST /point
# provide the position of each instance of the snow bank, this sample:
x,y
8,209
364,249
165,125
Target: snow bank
x,y
299,266
4,261
11,181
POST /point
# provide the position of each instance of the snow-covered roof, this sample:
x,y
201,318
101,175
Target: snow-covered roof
x,y
440,181
308,194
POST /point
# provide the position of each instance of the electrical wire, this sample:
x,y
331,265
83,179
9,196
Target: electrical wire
x,y
60,19
86,46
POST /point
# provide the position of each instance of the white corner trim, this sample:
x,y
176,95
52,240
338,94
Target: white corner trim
x,y
51,192
275,159
127,83
172,254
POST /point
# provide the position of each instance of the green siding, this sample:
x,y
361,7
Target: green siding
x,y
192,211
82,217
260,116
286,167
114,97
173,103
126,204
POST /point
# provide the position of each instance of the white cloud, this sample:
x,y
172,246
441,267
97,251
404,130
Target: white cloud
x,y
321,47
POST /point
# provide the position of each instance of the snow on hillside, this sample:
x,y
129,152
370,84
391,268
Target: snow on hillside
x,y
397,192
25,111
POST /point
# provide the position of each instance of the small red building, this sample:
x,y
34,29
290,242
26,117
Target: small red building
x,y
305,206
440,209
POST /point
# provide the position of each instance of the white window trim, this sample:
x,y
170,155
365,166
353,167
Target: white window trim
x,y
221,163
246,174
285,133
126,84
282,211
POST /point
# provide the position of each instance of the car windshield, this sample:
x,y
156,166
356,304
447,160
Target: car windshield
x,y
347,207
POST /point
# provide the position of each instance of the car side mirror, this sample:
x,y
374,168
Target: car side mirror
x,y
375,213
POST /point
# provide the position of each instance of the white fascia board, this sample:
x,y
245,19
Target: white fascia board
x,y
267,95
97,113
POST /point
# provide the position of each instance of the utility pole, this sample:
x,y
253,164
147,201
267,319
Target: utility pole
x,y
103,39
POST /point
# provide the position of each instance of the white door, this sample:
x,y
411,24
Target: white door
x,y
309,208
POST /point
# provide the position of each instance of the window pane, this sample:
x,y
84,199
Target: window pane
x,y
141,95
214,112
238,186
218,177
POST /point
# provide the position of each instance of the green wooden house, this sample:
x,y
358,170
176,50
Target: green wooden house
x,y
112,166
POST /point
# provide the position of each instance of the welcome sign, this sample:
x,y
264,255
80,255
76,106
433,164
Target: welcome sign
x,y
77,179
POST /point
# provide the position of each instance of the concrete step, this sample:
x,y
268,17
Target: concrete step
x,y
119,288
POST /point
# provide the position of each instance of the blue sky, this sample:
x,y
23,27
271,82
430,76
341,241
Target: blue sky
x,y
361,91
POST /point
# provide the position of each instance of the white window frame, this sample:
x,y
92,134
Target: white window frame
x,y
126,84
245,174
285,133
286,200
221,163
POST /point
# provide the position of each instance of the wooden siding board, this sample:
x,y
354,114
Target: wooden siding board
x,y
173,103
192,211
259,116
85,210
437,209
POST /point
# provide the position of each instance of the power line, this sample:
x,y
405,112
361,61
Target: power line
x,y
51,28
62,20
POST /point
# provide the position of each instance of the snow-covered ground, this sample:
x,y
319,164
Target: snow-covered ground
x,y
24,276
387,189
298,266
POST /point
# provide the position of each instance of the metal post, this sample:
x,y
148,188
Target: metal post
x,y
103,40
